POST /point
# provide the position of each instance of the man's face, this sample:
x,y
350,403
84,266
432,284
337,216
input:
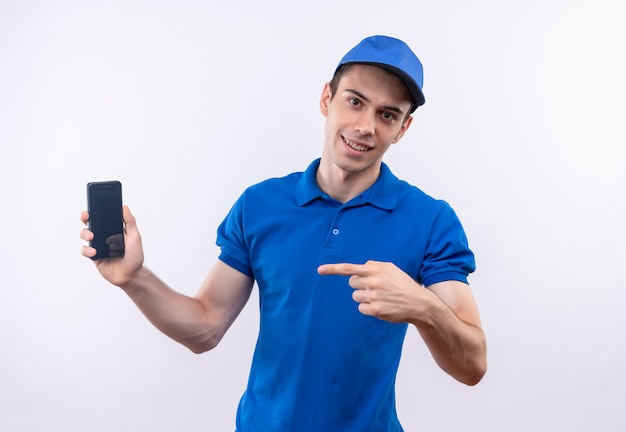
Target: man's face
x,y
367,114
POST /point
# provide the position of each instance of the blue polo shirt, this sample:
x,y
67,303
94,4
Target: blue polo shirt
x,y
319,364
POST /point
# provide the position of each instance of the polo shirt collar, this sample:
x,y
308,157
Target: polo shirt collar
x,y
383,193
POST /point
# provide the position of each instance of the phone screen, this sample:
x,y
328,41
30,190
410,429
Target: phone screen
x,y
104,202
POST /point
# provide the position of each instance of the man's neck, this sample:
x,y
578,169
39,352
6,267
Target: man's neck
x,y
344,185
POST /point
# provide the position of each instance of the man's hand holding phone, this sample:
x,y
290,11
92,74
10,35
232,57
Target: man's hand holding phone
x,y
125,252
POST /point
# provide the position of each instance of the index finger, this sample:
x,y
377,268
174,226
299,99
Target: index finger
x,y
342,269
84,216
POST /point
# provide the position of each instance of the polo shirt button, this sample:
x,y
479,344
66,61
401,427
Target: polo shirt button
x,y
335,231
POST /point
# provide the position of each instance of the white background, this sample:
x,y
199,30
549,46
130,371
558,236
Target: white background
x,y
188,102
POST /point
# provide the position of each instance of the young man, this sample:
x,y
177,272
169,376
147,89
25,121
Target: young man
x,y
345,256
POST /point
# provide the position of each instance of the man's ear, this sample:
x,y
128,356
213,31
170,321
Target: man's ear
x,y
325,99
403,129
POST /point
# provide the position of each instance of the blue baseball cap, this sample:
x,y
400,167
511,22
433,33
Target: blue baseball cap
x,y
395,56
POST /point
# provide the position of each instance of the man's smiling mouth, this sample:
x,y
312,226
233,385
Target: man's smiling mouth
x,y
355,146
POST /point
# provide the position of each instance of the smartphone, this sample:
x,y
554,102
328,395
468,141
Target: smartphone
x,y
104,202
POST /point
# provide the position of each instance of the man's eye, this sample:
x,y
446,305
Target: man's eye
x,y
354,101
388,116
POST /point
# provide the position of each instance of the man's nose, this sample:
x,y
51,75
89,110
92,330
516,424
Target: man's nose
x,y
365,123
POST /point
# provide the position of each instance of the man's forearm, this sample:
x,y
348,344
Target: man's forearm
x,y
182,318
458,348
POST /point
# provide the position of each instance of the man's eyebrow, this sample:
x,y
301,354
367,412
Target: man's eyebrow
x,y
362,96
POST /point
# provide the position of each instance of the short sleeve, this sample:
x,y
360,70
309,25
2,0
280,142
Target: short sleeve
x,y
231,240
448,256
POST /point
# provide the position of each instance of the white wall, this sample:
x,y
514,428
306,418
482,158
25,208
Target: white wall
x,y
188,102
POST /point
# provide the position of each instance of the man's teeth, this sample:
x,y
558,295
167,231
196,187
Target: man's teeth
x,y
356,146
